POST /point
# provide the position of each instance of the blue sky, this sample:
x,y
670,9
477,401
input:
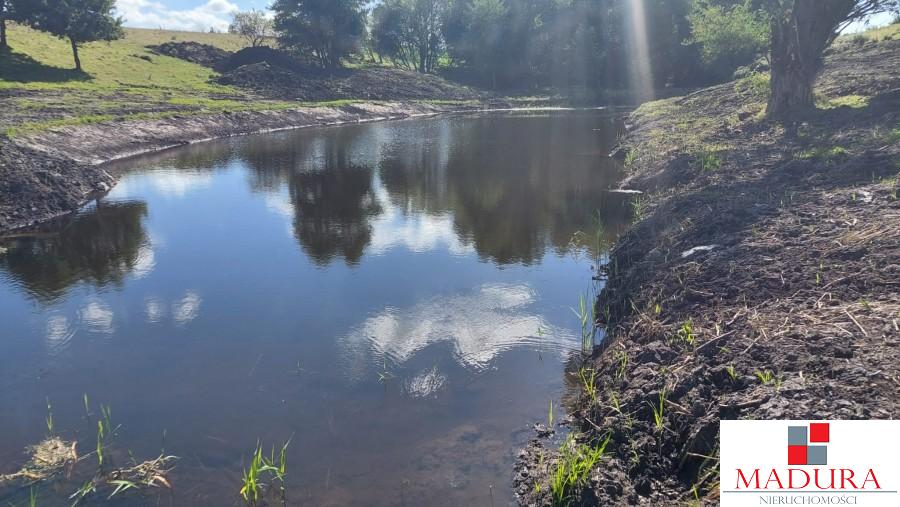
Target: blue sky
x,y
194,15
200,15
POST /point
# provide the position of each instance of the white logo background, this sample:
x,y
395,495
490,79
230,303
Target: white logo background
x,y
857,445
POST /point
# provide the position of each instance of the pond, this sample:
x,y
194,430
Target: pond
x,y
394,298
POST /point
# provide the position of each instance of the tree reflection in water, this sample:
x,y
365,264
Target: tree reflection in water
x,y
99,246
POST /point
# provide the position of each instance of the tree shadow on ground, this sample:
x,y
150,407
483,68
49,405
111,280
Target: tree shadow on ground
x,y
22,68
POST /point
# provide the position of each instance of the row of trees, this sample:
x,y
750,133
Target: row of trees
x,y
77,21
595,44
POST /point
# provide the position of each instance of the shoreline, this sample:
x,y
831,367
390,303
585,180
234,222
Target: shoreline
x,y
55,172
77,155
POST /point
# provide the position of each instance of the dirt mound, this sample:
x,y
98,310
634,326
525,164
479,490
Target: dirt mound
x,y
375,83
195,52
759,282
253,55
259,76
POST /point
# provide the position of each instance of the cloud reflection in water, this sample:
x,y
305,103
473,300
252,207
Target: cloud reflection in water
x,y
479,325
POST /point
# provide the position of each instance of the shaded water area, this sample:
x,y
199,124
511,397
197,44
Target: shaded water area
x,y
397,296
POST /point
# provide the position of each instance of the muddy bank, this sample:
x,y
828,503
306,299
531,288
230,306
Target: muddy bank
x,y
760,281
54,172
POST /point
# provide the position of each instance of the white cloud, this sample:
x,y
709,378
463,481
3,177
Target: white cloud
x,y
150,14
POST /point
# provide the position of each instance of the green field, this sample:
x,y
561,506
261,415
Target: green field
x,y
121,79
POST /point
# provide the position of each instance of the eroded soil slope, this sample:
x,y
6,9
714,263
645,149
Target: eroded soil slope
x,y
761,281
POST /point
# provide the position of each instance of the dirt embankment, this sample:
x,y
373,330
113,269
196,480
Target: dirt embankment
x,y
761,281
54,172
278,74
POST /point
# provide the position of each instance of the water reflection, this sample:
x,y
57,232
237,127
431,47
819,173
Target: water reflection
x,y
287,270
368,188
101,245
478,326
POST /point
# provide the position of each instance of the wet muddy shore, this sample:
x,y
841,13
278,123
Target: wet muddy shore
x,y
760,281
54,172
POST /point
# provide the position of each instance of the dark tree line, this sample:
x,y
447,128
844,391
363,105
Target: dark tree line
x,y
77,21
582,44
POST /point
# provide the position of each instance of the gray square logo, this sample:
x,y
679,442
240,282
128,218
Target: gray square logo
x,y
797,435
817,455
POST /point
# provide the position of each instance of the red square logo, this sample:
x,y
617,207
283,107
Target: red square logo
x,y
796,455
818,432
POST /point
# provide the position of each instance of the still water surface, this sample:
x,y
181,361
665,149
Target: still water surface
x,y
395,295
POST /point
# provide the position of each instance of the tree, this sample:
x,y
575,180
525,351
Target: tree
x,y
801,30
328,29
728,37
253,26
475,32
79,21
409,31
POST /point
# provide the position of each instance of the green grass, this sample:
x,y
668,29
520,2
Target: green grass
x,y
40,61
852,101
573,469
586,318
122,80
826,154
659,412
588,377
765,377
890,32
756,85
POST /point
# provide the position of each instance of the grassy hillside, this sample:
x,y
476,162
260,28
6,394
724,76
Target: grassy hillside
x,y
39,88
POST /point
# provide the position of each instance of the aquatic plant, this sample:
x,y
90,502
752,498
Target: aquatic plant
x,y
81,493
384,375
250,489
585,314
588,377
100,434
550,416
573,469
49,417
279,467
121,485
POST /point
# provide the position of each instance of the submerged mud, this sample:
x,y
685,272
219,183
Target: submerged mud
x,y
759,282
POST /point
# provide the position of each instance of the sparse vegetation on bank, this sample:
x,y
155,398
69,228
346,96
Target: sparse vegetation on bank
x,y
759,280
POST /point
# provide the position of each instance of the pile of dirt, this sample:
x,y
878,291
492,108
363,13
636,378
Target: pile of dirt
x,y
36,186
760,281
260,76
254,55
372,83
194,52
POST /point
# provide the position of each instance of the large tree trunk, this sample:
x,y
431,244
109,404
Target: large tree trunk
x,y
799,37
75,54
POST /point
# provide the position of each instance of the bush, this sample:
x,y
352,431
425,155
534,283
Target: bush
x,y
728,37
